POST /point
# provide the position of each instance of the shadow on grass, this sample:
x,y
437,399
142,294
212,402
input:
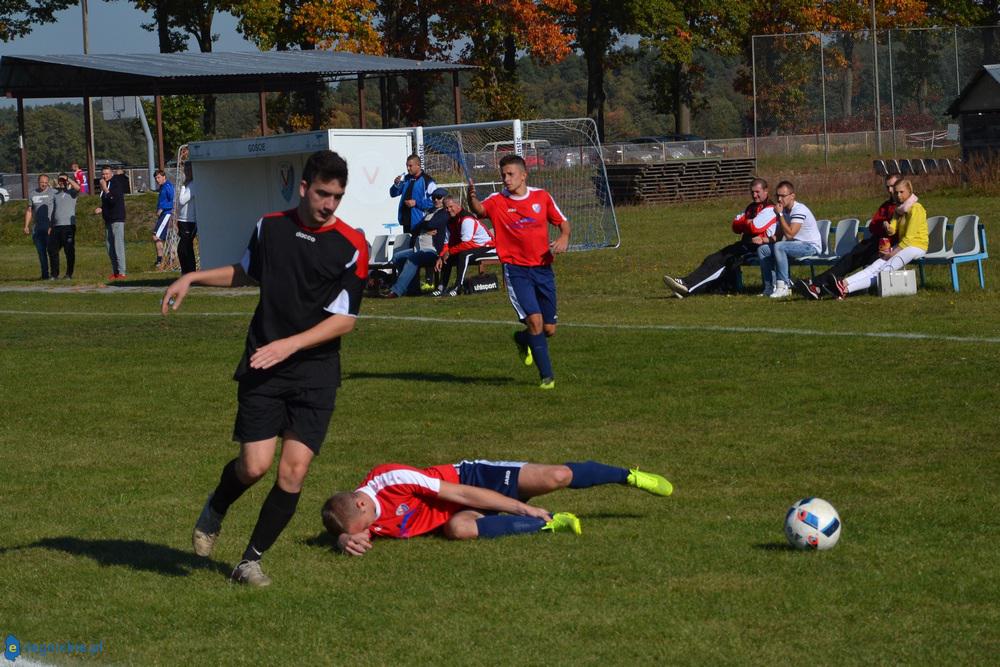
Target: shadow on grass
x,y
774,546
144,282
322,540
611,515
430,377
136,554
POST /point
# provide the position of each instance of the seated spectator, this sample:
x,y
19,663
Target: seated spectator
x,y
467,240
756,224
797,236
865,252
427,242
909,225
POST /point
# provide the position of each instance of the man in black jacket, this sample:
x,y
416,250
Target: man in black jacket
x,y
112,209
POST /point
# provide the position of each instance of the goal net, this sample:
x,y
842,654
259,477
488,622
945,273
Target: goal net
x,y
563,156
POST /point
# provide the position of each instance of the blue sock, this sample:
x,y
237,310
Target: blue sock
x,y
521,337
540,351
498,525
592,473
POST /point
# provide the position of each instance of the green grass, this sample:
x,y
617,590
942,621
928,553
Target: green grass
x,y
116,424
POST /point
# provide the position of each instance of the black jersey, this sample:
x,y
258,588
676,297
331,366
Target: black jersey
x,y
305,276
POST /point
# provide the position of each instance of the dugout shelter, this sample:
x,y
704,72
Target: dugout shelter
x,y
157,74
978,111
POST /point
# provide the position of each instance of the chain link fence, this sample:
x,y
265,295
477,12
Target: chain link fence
x,y
893,83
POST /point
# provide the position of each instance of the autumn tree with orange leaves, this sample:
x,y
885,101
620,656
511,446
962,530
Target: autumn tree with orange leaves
x,y
496,33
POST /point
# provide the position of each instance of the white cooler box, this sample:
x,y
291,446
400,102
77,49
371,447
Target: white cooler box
x,y
897,283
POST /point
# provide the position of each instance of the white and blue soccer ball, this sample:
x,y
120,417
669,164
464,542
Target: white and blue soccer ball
x,y
812,524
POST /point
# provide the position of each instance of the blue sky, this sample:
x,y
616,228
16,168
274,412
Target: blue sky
x,y
114,28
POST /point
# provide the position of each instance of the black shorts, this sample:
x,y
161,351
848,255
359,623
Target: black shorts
x,y
266,411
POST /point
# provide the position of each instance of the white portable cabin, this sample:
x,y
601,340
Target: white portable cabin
x,y
239,180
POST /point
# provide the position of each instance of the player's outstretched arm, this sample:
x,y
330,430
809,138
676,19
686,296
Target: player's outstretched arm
x,y
474,204
277,351
485,499
223,276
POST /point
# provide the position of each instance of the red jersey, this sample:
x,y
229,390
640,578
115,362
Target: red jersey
x,y
406,499
519,223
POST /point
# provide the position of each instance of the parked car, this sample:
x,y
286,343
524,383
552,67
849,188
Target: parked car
x,y
697,146
4,193
533,150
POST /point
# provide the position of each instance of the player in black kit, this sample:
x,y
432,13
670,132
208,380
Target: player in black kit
x,y
311,268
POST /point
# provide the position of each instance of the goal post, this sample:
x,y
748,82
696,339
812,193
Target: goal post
x,y
563,156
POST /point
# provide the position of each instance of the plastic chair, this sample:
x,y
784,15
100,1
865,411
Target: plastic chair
x,y
399,242
968,245
937,225
845,236
879,167
379,254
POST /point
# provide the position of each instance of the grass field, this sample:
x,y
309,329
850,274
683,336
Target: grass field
x,y
116,423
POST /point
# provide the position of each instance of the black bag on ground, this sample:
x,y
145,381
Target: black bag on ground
x,y
483,282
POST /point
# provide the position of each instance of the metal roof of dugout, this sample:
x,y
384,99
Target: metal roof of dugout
x,y
156,74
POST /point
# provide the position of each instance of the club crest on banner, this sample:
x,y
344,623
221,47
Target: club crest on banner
x,y
287,174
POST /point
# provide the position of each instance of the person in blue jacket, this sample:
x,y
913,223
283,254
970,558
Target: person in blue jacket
x,y
164,212
414,189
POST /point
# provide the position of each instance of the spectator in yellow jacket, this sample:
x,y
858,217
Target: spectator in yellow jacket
x,y
909,225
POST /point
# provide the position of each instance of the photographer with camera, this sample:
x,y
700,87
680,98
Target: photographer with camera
x,y
63,230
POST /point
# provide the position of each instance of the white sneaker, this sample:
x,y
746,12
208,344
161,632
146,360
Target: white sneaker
x,y
206,529
781,290
249,572
676,285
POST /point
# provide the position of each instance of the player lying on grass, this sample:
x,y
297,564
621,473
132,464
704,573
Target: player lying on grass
x,y
463,501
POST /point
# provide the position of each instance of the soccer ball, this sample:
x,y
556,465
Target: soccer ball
x,y
812,523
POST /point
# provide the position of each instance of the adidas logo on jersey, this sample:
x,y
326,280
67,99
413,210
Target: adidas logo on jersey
x,y
302,235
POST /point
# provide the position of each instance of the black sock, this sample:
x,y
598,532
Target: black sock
x,y
277,511
229,490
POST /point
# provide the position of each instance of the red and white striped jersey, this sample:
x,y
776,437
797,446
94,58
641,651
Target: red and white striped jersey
x,y
406,498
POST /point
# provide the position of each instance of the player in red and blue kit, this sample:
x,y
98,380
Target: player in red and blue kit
x,y
521,217
464,500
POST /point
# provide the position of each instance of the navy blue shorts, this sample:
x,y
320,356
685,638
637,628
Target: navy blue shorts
x,y
162,224
267,411
532,291
499,476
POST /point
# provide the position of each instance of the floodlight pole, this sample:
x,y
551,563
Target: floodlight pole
x,y
822,85
878,110
892,98
88,112
753,69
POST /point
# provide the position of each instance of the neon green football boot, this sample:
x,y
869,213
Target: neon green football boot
x,y
649,482
564,522
524,352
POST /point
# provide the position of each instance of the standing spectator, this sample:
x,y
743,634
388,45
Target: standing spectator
x,y
164,212
63,230
798,236
415,188
187,221
467,240
428,240
862,254
81,178
521,217
909,225
40,208
755,225
112,209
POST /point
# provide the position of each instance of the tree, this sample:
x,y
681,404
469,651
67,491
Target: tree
x,y
18,17
307,25
495,34
677,33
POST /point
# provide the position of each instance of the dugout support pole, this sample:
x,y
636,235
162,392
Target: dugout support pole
x,y
456,93
361,101
262,101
